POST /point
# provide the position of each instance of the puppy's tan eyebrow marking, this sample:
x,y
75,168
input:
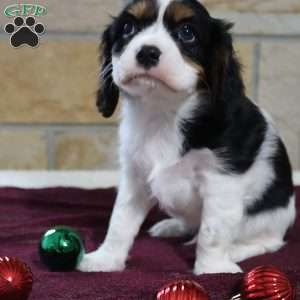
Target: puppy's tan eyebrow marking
x,y
142,9
178,11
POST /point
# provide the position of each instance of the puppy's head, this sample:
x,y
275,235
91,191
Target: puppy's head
x,y
162,47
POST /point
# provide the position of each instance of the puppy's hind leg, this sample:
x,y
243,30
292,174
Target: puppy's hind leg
x,y
239,252
221,218
243,251
263,233
172,227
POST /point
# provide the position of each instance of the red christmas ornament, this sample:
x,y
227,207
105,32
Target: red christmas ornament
x,y
182,290
268,283
15,279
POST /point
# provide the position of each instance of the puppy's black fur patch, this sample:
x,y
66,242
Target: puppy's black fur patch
x,y
228,123
140,14
281,189
108,92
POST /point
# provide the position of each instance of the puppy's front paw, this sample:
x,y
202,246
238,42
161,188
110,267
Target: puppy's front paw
x,y
100,261
226,266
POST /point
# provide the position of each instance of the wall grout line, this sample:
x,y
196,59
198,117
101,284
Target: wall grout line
x,y
256,71
297,164
75,126
63,34
89,35
50,149
267,38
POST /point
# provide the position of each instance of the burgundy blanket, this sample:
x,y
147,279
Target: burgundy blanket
x,y
26,214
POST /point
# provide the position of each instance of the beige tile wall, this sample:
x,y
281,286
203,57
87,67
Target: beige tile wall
x,y
48,118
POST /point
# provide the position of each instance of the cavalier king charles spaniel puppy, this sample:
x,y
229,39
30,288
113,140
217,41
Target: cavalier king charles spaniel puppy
x,y
190,140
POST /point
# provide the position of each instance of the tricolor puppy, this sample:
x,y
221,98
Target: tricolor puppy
x,y
190,140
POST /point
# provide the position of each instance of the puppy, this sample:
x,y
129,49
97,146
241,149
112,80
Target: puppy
x,y
190,140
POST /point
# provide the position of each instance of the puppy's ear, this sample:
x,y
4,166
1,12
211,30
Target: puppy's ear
x,y
221,56
108,92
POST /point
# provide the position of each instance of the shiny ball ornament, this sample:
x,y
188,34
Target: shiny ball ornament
x,y
61,249
267,283
15,279
182,290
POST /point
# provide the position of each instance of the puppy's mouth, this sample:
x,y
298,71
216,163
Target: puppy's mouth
x,y
146,80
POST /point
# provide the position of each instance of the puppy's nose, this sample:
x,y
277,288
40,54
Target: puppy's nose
x,y
148,56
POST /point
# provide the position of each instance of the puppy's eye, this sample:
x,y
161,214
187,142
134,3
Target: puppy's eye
x,y
129,29
186,34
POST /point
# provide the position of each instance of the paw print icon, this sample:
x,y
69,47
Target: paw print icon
x,y
24,31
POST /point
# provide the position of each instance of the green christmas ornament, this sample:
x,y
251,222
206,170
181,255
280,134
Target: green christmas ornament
x,y
61,248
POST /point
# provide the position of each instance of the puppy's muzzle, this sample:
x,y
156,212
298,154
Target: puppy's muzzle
x,y
148,57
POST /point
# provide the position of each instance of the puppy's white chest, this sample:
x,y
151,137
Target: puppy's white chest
x,y
154,145
160,150
152,142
